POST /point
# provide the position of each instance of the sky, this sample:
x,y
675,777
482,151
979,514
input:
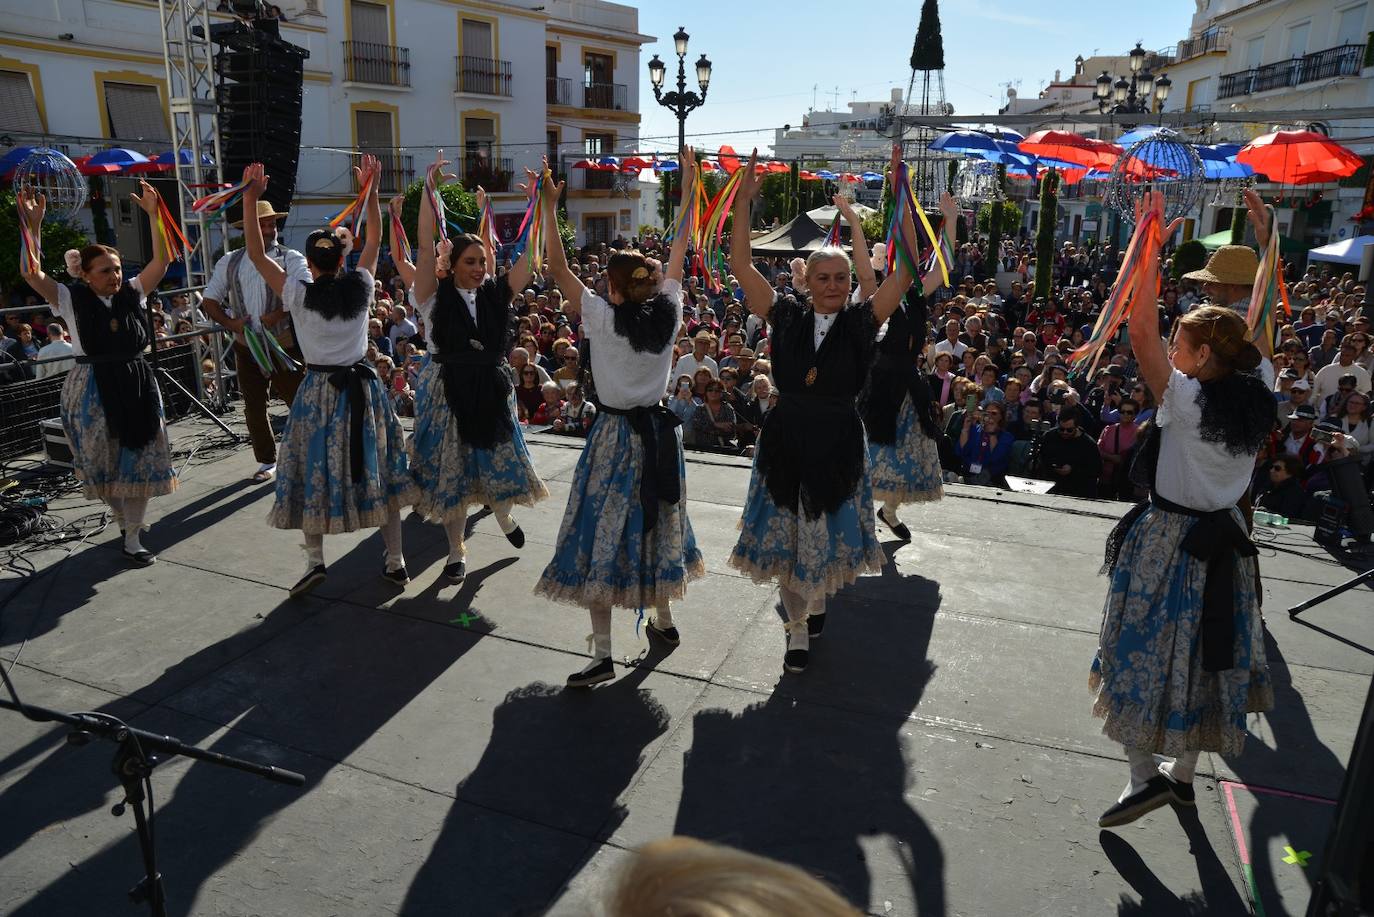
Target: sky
x,y
768,55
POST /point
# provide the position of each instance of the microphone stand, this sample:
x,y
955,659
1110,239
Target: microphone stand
x,y
137,753
166,377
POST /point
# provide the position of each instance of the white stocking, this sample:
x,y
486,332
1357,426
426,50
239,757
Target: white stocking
x,y
391,537
314,550
456,549
1142,769
663,615
890,509
796,607
1181,768
134,508
117,510
505,520
601,632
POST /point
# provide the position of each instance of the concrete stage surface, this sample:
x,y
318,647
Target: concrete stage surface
x,y
939,757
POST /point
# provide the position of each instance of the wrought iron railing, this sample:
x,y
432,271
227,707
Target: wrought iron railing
x,y
381,65
398,170
559,90
609,96
483,75
1211,40
1343,60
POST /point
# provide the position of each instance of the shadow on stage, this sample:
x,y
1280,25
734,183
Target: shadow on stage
x,y
1218,896
331,678
815,784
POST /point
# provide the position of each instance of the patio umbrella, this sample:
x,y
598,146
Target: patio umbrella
x,y
1083,152
1138,134
1299,157
11,160
966,142
118,156
665,165
83,165
166,161
827,175
871,176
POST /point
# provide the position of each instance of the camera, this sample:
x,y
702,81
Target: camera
x,y
1058,396
1323,436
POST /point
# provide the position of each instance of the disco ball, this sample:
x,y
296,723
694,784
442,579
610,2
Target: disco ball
x,y
1160,162
976,181
48,172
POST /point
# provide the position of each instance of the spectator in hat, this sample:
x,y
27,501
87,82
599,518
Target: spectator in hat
x,y
1228,279
1299,392
688,364
1297,440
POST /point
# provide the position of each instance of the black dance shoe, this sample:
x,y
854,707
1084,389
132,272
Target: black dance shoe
x,y
668,635
1155,794
140,558
398,577
456,572
516,536
309,581
795,661
1182,792
594,674
815,625
892,522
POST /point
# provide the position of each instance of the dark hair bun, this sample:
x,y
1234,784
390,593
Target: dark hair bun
x,y
1247,358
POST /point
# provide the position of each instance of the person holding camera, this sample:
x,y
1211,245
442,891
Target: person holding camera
x,y
1180,661
985,446
1069,458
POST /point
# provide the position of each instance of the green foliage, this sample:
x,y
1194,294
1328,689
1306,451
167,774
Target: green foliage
x,y
952,172
1010,222
460,207
1238,222
1044,235
1190,256
57,237
875,230
928,52
794,190
773,199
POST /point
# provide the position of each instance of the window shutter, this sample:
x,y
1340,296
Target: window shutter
x,y
370,22
374,130
477,39
135,112
18,108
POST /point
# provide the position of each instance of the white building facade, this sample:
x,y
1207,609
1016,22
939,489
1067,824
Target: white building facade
x,y
497,85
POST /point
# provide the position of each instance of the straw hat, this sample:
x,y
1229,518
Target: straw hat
x,y
264,211
1230,264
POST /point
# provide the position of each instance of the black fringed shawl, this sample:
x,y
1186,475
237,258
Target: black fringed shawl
x,y
471,355
895,375
114,338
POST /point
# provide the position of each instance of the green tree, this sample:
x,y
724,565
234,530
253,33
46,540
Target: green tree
x,y
773,197
1190,256
994,225
460,206
57,236
928,52
1011,218
794,190
952,173
1044,236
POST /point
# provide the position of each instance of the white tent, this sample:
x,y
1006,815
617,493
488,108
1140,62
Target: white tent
x,y
826,215
1346,251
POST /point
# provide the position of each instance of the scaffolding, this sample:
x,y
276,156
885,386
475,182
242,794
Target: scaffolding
x,y
195,141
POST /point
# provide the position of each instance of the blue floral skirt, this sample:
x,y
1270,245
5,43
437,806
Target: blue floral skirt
x,y
909,470
315,489
600,544
105,468
1148,678
813,557
450,475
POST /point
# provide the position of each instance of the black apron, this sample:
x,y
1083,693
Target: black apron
x,y
114,338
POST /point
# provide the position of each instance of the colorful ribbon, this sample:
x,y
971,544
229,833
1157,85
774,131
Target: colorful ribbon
x,y
355,212
436,202
218,202
174,242
30,246
486,222
266,350
899,246
832,238
399,243
1125,294
711,231
1270,293
531,234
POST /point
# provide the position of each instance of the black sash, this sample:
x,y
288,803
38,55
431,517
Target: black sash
x,y
660,479
349,380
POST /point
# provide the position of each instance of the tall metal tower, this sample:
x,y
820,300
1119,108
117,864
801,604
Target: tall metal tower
x,y
925,99
195,127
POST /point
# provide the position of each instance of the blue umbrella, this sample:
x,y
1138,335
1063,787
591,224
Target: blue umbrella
x,y
827,175
183,157
14,157
608,161
117,156
1005,133
665,165
972,142
1140,133
1216,169
872,176
1229,150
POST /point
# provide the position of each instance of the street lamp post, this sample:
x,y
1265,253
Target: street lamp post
x,y
680,102
1142,94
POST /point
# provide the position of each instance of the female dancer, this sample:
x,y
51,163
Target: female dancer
x,y
808,518
899,417
343,462
625,538
111,407
1181,659
467,448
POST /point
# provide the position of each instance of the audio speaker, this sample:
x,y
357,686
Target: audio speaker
x,y
259,98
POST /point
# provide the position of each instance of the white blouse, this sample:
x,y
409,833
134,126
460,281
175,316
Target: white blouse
x,y
1194,472
625,377
67,312
324,341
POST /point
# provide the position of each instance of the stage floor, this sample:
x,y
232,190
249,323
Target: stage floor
x,y
939,757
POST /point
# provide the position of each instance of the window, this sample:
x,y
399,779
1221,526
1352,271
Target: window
x,y
551,62
598,69
598,229
375,131
1297,39
551,150
1350,28
479,135
1254,52
370,22
596,146
18,107
135,112
477,39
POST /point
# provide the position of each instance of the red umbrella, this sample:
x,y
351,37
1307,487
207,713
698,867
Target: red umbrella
x,y
83,165
1299,157
1070,147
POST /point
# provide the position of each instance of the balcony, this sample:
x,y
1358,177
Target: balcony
x,y
483,76
559,91
492,174
398,171
606,96
1343,60
1207,42
380,65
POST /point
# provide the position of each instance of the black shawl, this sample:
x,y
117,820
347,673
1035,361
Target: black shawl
x,y
811,447
338,296
895,375
471,356
114,338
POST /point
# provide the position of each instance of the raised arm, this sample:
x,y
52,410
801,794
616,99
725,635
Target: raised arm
x,y
863,258
400,256
425,279
1258,212
554,256
487,234
32,206
758,292
372,225
895,285
153,272
521,271
949,232
270,270
1143,325
687,168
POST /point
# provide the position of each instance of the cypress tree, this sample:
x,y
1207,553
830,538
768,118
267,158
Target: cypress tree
x,y
928,53
1044,236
